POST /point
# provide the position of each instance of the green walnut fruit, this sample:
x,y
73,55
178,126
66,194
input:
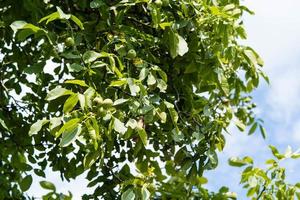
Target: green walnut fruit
x,y
158,3
98,100
165,3
107,103
69,42
101,112
131,54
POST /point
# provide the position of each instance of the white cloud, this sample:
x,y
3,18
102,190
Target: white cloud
x,y
284,94
274,32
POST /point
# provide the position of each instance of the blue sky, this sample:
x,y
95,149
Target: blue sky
x,y
274,31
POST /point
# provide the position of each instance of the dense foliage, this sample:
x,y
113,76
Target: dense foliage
x,y
137,93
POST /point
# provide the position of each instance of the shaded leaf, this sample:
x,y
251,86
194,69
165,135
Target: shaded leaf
x,y
69,136
26,183
67,126
128,195
143,135
145,193
37,126
90,158
47,185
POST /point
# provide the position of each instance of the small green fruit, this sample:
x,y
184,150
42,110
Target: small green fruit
x,y
98,100
158,3
101,111
131,54
107,103
69,42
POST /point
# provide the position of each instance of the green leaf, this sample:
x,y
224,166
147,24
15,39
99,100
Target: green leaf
x,y
253,128
253,57
90,158
251,192
237,162
223,84
57,92
155,15
182,46
143,135
77,21
89,94
164,25
36,68
26,183
252,181
69,136
98,64
81,98
40,173
162,116
295,155
16,25
134,88
23,34
32,28
202,180
61,14
128,195
113,66
54,122
77,82
151,79
240,125
37,126
119,126
3,124
47,185
70,103
90,56
120,101
143,73
288,152
119,82
174,115
51,17
121,66
276,153
172,111
145,193
75,67
177,44
263,131
96,3
213,159
69,125
132,123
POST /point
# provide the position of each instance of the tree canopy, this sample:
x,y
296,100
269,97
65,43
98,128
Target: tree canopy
x,y
136,93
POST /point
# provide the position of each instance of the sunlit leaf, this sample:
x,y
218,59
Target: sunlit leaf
x,y
37,126
69,136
